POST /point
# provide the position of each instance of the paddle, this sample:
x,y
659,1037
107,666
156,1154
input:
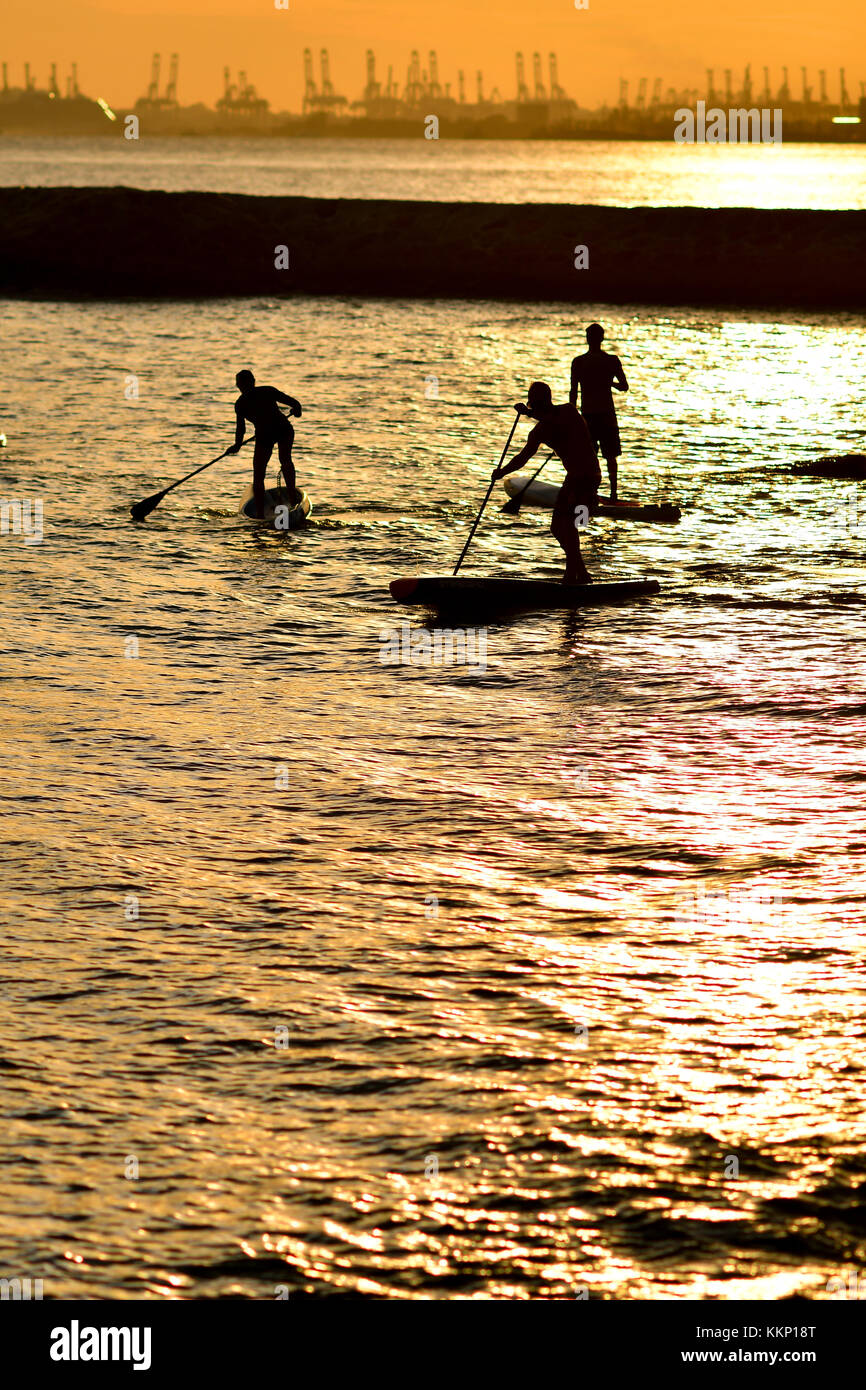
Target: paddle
x,y
512,506
519,410
142,509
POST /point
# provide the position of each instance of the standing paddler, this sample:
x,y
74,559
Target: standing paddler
x,y
562,429
594,373
258,404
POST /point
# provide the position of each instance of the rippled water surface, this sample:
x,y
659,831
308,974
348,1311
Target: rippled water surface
x,y
613,172
443,982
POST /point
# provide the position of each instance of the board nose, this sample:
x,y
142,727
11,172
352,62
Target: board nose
x,y
402,588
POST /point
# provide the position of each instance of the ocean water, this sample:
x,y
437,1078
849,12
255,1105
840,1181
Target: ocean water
x,y
620,173
509,979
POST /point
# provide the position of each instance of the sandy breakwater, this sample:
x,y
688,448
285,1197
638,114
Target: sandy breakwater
x,y
118,242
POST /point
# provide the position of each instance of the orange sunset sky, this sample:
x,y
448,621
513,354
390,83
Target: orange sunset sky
x,y
113,43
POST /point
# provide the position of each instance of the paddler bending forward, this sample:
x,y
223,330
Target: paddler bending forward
x,y
562,429
258,404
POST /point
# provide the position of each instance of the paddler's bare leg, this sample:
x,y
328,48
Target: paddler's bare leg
x,y
285,451
261,454
564,528
611,473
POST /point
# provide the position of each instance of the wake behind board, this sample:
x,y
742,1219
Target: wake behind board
x,y
284,513
453,591
544,495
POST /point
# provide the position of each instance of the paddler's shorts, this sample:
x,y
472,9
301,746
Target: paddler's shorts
x,y
275,430
575,493
271,433
604,431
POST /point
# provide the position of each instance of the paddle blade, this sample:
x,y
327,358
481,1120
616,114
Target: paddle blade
x,y
142,509
512,507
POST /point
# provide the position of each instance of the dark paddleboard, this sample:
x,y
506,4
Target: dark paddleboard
x,y
663,512
455,592
850,466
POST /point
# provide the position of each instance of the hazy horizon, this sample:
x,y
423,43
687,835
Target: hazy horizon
x,y
594,47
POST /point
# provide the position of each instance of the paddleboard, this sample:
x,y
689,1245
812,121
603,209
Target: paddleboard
x,y
283,514
537,494
543,495
438,591
850,466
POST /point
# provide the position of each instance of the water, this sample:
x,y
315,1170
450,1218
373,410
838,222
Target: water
x,y
551,943
618,173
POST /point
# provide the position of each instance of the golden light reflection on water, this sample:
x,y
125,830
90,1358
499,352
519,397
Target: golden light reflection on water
x,y
654,173
577,929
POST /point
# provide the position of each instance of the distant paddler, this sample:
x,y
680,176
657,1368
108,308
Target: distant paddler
x,y
594,373
562,429
258,404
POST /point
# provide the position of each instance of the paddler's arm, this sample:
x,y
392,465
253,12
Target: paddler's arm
x,y
294,406
529,450
618,379
240,431
575,382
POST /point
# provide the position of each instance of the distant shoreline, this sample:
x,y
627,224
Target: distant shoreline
x,y
472,132
34,114
81,243
795,132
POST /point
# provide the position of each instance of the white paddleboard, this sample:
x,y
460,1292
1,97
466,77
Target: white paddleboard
x,y
283,512
537,494
543,495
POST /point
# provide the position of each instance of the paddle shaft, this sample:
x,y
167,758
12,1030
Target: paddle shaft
x,y
513,505
143,508
251,440
517,415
